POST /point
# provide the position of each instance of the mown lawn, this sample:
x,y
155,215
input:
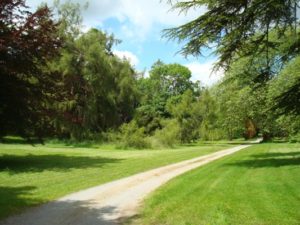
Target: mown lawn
x,y
259,185
33,175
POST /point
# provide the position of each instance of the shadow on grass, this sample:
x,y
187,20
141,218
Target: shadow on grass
x,y
272,159
19,140
277,154
68,144
227,143
206,145
73,212
12,199
38,163
56,143
82,145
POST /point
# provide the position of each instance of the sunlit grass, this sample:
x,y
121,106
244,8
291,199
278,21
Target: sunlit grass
x,y
259,185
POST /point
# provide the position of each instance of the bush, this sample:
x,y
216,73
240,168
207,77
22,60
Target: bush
x,y
110,136
133,136
169,135
295,138
212,134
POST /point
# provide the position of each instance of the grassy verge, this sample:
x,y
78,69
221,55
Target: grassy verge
x,y
259,185
33,175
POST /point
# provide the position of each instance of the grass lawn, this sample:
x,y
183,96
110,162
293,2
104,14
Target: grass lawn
x,y
33,175
259,185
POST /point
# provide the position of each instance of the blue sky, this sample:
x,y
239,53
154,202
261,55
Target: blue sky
x,y
139,24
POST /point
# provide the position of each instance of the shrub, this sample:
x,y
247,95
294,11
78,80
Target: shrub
x,y
110,136
169,135
212,134
133,136
295,138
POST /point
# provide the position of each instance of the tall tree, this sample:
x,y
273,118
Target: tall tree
x,y
166,81
188,115
241,28
27,41
98,89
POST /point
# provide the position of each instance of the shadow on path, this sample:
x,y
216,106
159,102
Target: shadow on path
x,y
67,213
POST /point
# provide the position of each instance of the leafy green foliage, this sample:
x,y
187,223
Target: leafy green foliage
x,y
99,88
286,88
208,111
188,116
169,135
236,29
133,136
167,82
172,79
231,24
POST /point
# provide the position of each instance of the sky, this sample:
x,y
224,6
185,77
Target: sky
x,y
139,24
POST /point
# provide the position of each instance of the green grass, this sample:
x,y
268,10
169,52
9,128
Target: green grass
x,y
259,185
31,175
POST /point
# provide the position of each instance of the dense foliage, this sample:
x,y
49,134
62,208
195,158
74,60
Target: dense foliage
x,y
233,26
247,28
27,41
58,81
98,89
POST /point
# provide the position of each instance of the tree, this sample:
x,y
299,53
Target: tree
x,y
209,112
247,28
287,88
174,79
27,41
98,89
246,108
235,27
166,81
188,116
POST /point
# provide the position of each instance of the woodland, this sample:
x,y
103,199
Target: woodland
x,y
58,82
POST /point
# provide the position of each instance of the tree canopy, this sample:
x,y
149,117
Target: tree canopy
x,y
235,27
247,28
27,41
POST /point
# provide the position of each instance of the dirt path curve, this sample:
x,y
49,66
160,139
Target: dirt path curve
x,y
110,203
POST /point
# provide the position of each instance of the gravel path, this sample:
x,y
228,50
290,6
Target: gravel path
x,y
110,203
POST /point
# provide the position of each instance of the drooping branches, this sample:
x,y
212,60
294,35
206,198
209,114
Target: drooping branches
x,y
235,27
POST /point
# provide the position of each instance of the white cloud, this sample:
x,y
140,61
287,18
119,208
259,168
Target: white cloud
x,y
132,58
142,14
204,72
146,73
127,31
